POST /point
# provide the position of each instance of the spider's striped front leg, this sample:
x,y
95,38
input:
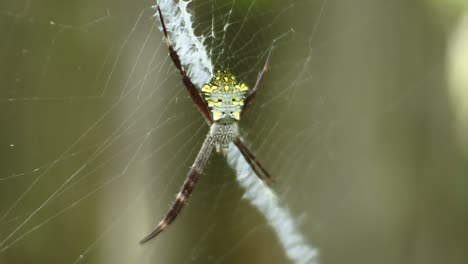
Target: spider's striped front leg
x,y
256,166
186,189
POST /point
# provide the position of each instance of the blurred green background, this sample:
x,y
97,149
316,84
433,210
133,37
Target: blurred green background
x,y
363,121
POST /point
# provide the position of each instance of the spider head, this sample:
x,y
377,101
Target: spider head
x,y
225,97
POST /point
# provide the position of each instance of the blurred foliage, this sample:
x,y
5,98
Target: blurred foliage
x,y
449,10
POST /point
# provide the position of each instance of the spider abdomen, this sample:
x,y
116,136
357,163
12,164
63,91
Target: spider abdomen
x,y
225,97
223,134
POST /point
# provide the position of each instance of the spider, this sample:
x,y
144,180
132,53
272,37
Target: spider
x,y
222,103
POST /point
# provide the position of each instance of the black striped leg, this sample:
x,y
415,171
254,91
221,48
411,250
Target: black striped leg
x,y
193,91
253,92
186,189
256,166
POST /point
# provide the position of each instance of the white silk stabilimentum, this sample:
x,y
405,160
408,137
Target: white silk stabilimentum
x,y
190,48
266,201
197,63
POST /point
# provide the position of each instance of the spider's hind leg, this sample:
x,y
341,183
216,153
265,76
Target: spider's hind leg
x,y
191,88
261,75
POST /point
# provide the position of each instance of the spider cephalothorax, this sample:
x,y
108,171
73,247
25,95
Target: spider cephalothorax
x,y
225,97
223,134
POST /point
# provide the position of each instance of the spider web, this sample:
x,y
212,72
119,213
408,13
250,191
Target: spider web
x,y
99,132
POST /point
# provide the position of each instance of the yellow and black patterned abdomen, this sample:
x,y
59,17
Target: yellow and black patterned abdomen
x,y
225,97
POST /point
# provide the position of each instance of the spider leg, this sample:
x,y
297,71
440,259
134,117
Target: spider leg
x,y
186,189
193,91
256,166
253,92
